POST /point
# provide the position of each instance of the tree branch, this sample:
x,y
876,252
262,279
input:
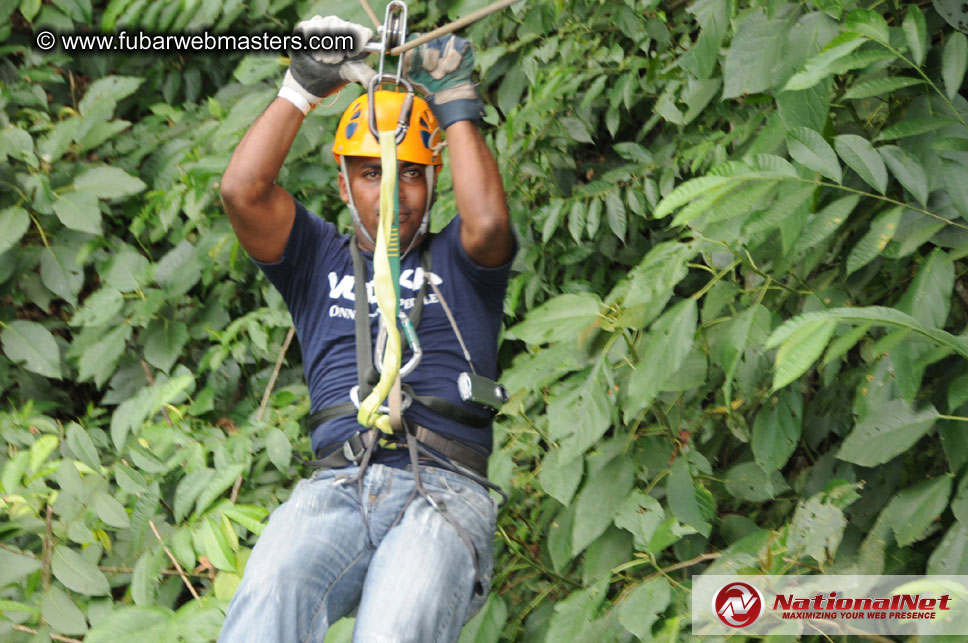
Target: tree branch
x,y
178,568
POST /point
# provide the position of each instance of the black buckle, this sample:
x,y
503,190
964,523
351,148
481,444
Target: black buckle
x,y
354,447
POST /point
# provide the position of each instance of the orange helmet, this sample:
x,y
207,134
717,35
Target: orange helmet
x,y
420,145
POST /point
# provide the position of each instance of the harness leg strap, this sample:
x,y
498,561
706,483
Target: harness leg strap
x,y
441,508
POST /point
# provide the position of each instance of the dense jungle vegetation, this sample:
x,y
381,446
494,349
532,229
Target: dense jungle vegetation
x,y
734,336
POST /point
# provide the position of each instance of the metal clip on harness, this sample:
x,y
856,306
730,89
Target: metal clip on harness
x,y
412,339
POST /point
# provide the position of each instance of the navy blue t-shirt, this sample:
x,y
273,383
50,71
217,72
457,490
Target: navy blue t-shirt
x,y
315,277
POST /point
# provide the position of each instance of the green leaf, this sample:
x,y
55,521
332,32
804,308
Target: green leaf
x,y
651,283
164,343
912,510
144,579
130,623
959,505
131,413
556,211
487,624
683,503
108,182
13,224
801,350
61,613
560,318
249,516
99,360
33,345
730,340
747,481
15,566
189,487
576,219
83,447
880,315
615,209
576,129
689,191
928,298
77,573
887,431
41,449
129,480
108,91
641,608
593,218
816,529
839,347
100,308
641,514
879,86
874,240
662,351
216,546
599,501
916,33
579,417
951,555
7,606
576,611
954,62
126,270
559,538
60,273
739,199
79,210
907,170
279,449
746,70
222,480
777,429
860,155
824,223
111,511
914,127
821,65
809,148
868,23
560,478
792,203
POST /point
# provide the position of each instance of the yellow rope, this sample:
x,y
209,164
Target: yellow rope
x,y
387,246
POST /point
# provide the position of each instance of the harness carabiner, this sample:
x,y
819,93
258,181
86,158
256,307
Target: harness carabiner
x,y
412,339
406,110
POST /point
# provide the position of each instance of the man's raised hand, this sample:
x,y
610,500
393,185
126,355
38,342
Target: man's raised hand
x,y
441,69
313,74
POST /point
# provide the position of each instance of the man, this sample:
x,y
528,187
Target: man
x,y
414,552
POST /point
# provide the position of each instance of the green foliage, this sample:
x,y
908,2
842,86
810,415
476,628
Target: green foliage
x,y
735,332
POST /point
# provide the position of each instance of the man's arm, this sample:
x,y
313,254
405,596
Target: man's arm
x,y
260,211
485,229
441,69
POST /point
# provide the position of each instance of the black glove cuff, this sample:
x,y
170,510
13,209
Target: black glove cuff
x,y
464,109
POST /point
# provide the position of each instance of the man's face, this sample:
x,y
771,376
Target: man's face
x,y
365,175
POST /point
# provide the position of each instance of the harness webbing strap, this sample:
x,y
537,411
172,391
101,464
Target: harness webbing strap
x,y
386,284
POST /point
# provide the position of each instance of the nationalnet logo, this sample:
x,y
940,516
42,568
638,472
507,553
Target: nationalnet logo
x,y
738,604
830,604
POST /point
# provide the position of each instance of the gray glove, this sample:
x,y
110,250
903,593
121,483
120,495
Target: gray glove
x,y
441,69
315,74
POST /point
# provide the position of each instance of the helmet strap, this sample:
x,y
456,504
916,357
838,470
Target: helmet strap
x,y
352,205
431,176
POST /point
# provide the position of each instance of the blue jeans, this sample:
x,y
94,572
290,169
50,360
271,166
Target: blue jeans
x,y
411,574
